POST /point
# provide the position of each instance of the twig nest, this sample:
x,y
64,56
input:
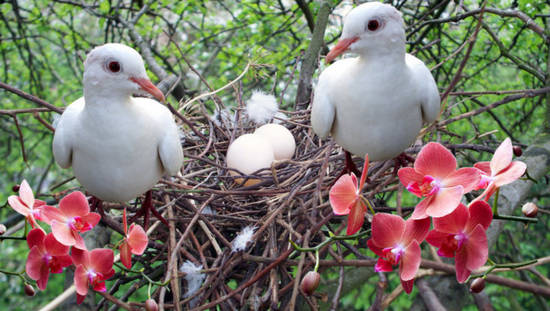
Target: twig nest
x,y
280,138
248,154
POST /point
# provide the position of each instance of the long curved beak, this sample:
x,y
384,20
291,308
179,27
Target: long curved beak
x,y
146,85
339,48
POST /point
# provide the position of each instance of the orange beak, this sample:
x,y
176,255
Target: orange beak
x,y
146,85
341,47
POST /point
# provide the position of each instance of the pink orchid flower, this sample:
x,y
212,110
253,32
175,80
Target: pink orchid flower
x,y
46,256
461,234
436,178
26,205
397,242
500,171
135,242
92,268
72,217
345,198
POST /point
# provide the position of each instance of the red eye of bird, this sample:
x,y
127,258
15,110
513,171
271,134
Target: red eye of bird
x,y
373,25
114,66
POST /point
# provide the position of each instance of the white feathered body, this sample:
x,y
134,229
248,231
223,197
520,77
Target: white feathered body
x,y
118,151
374,106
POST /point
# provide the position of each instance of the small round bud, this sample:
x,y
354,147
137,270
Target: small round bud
x,y
529,209
477,285
15,188
29,290
517,151
310,282
2,229
151,305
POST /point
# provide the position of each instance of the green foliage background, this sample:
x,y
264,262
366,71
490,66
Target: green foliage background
x,y
43,44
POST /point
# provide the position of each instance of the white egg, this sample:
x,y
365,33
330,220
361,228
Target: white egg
x,y
280,138
248,154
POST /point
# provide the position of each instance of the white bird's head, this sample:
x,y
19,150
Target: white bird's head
x,y
116,70
370,29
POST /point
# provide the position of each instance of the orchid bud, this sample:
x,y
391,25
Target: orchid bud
x,y
151,305
15,188
517,151
477,285
29,290
2,229
529,209
310,282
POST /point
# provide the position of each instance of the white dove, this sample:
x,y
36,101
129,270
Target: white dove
x,y
374,103
119,146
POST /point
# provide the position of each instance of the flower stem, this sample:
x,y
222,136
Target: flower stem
x,y
516,218
316,261
495,203
329,240
368,204
510,265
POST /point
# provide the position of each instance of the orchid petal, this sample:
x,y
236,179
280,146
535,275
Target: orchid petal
x,y
467,177
42,282
377,250
476,248
78,240
137,239
421,208
343,194
17,205
80,298
435,160
485,167
62,233
407,285
387,229
480,213
125,255
36,238
415,229
74,204
502,157
356,217
80,257
34,263
102,259
513,172
51,213
454,222
81,280
25,194
445,201
92,219
410,262
462,273
436,238
365,172
383,265
53,247
408,176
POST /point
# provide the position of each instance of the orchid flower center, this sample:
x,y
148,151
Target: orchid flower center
x,y
47,258
76,223
460,238
428,187
485,181
394,254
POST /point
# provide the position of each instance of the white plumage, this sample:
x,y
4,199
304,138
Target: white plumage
x,y
374,103
119,146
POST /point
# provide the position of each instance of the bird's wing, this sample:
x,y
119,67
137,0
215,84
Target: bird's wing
x,y
323,111
62,140
426,87
170,152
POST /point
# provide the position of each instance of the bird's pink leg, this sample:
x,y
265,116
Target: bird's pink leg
x,y
349,167
97,205
402,160
147,206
